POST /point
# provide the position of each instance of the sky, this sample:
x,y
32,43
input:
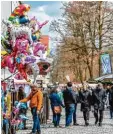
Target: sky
x,y
45,10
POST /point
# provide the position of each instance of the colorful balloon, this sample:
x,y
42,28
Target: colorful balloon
x,y
20,10
8,61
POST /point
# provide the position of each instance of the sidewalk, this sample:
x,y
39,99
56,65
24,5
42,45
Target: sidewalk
x,y
107,127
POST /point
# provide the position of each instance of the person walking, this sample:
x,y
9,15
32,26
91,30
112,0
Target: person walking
x,y
36,103
69,101
56,104
98,101
76,97
22,95
111,102
85,100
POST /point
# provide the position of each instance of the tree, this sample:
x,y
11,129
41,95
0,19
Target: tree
x,y
84,29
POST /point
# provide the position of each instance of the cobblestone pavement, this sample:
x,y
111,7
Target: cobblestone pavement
x,y
107,127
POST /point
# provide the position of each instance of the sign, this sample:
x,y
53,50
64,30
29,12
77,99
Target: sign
x,y
106,64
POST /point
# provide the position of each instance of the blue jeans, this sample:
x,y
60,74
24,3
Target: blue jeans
x,y
74,114
69,113
56,118
36,122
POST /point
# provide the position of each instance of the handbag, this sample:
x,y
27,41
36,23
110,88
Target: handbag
x,y
57,109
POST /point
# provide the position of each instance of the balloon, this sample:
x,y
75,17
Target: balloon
x,y
18,76
22,46
36,36
15,32
44,68
22,69
20,20
20,10
38,47
8,61
6,43
41,25
4,53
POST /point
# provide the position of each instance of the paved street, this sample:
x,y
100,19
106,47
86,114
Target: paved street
x,y
107,127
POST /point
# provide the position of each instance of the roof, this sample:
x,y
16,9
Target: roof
x,y
45,40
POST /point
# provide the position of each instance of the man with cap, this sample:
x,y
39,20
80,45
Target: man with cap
x,y
36,102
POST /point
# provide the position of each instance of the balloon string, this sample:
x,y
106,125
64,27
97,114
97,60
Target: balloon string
x,y
9,76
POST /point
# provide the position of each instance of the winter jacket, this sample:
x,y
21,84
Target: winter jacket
x,y
85,100
36,100
99,98
55,100
111,98
68,96
76,96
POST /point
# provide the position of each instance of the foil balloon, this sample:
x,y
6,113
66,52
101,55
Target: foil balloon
x,y
8,61
18,76
44,67
20,20
38,47
22,70
22,45
6,42
15,32
20,10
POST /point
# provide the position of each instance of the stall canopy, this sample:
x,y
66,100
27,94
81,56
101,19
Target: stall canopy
x,y
108,77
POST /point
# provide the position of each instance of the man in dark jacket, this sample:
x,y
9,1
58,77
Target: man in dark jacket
x,y
98,101
76,97
111,102
85,100
69,101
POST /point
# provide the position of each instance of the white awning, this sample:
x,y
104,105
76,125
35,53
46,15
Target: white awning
x,y
109,76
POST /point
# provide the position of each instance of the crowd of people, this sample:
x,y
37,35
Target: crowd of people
x,y
90,99
68,97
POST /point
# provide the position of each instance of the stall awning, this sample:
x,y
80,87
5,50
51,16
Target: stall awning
x,y
109,76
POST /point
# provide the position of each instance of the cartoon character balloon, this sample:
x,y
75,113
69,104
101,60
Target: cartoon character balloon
x,y
20,11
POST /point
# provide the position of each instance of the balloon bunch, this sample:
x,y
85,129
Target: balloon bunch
x,y
18,118
24,51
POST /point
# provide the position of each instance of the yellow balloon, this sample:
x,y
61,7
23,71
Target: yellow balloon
x,y
3,53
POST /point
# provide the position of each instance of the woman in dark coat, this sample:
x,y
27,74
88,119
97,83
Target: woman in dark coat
x,y
55,102
111,102
85,100
22,95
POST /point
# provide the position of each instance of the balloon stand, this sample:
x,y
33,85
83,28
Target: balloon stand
x,y
25,57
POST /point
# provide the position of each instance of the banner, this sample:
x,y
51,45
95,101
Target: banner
x,y
106,64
